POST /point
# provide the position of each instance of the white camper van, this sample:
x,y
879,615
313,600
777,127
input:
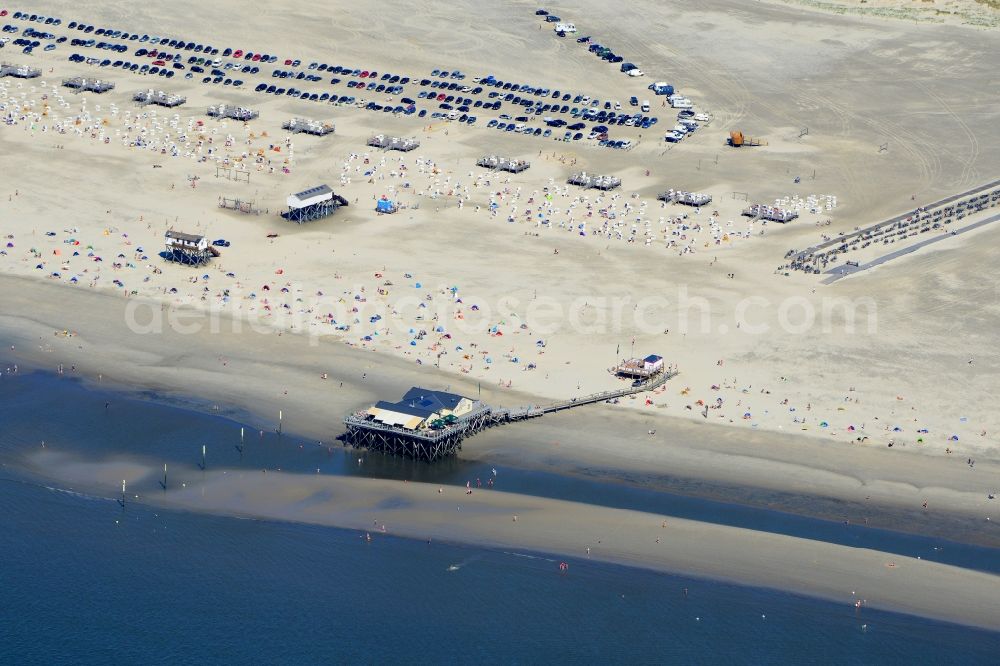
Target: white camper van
x,y
565,27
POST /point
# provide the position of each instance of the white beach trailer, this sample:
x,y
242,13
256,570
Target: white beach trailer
x,y
565,27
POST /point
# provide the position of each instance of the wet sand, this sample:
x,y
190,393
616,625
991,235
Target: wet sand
x,y
497,519
880,425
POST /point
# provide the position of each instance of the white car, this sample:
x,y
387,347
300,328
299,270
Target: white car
x,y
636,72
618,106
702,117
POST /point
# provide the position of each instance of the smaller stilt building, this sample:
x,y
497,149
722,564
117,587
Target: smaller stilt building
x,y
190,249
640,369
313,204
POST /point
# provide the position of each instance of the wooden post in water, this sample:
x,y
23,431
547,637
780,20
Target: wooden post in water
x,y
203,457
123,495
164,483
242,441
279,421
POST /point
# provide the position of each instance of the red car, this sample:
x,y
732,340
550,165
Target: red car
x,y
159,63
238,53
288,63
256,57
3,12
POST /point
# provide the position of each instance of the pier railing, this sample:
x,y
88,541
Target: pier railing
x,y
433,443
528,412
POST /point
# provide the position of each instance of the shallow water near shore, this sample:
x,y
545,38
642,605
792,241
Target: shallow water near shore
x,y
86,578
103,424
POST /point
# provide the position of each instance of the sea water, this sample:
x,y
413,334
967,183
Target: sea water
x,y
86,581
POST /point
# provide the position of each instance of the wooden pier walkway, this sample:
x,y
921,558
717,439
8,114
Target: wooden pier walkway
x,y
434,443
507,415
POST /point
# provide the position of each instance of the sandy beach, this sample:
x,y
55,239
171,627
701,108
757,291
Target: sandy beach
x,y
869,399
247,375
661,273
